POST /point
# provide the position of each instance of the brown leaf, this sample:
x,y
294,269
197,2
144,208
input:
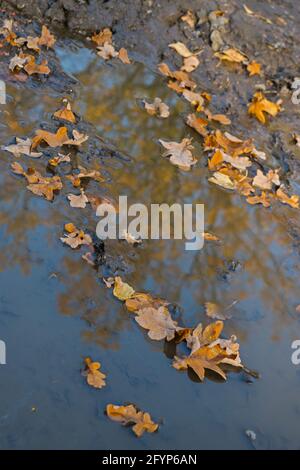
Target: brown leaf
x,y
75,237
104,36
78,201
263,199
66,113
141,300
47,39
107,51
122,290
190,18
32,67
22,147
190,64
266,181
158,321
232,55
38,184
157,108
181,49
292,201
130,415
197,123
180,153
123,56
94,377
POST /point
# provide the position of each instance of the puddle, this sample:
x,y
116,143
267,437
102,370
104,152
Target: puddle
x,y
54,310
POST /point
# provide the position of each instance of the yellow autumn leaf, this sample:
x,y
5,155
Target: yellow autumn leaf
x,y
122,290
129,415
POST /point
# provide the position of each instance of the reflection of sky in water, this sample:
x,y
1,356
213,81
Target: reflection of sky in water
x,y
43,283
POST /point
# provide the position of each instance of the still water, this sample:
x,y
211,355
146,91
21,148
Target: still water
x,y
54,309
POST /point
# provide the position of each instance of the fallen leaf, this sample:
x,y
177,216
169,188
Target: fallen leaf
x,y
104,36
157,108
18,61
123,56
78,201
140,300
66,113
222,180
55,161
158,321
210,237
47,39
197,123
256,15
78,138
22,147
53,140
292,201
199,337
190,64
260,105
266,181
195,98
59,138
180,153
254,68
33,43
216,160
38,184
190,18
263,199
32,67
181,49
232,55
75,237
127,415
122,290
199,363
107,51
94,377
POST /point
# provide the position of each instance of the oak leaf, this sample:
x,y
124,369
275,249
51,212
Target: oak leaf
x,y
122,290
222,180
104,36
129,414
180,153
22,147
46,39
254,68
197,123
232,55
75,237
292,201
94,377
107,51
158,321
66,113
181,49
78,201
157,108
263,198
260,105
32,67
